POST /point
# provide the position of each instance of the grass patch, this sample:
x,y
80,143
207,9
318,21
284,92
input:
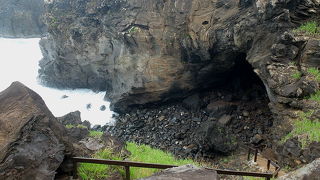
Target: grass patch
x,y
306,129
297,75
95,134
315,97
89,171
144,153
139,153
69,126
311,28
315,72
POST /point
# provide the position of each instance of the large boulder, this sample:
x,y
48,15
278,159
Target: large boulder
x,y
308,172
22,18
187,172
32,142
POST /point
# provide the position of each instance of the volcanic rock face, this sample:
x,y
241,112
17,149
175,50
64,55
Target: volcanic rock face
x,y
145,51
21,18
32,145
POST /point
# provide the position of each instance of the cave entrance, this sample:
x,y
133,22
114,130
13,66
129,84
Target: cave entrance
x,y
243,97
244,82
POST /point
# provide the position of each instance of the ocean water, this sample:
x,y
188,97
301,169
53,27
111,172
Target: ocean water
x,y
19,60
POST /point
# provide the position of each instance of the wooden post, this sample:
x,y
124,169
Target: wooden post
x,y
249,152
75,170
127,168
255,155
268,164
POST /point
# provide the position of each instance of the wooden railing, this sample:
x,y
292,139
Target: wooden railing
x,y
255,152
128,164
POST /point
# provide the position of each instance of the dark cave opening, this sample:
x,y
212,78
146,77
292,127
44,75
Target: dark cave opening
x,y
242,96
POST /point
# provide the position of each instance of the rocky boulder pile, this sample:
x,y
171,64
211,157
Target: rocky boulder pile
x,y
33,143
195,127
310,171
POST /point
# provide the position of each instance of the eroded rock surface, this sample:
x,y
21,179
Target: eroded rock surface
x,y
22,18
310,172
32,142
146,51
186,172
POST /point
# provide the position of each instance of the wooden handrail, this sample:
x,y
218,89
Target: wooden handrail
x,y
128,164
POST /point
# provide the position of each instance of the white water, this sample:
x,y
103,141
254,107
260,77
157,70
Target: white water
x,y
19,62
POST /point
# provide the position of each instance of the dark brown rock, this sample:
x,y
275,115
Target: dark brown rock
x,y
32,142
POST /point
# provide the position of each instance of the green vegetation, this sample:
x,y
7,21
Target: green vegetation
x,y
95,134
144,153
139,153
99,171
315,72
315,97
307,130
133,29
69,126
297,75
311,28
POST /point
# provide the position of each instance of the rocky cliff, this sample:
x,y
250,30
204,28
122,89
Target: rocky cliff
x,y
22,18
143,51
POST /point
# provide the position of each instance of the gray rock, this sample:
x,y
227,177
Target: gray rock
x,y
72,118
310,172
187,172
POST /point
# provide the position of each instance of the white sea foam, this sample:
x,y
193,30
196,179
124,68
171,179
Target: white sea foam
x,y
19,62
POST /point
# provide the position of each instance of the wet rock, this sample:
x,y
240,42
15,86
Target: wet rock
x,y
64,97
186,172
32,142
102,108
310,171
88,106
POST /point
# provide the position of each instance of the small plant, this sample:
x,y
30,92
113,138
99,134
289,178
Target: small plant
x,y
95,134
315,72
69,126
306,129
133,29
315,97
297,75
311,27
